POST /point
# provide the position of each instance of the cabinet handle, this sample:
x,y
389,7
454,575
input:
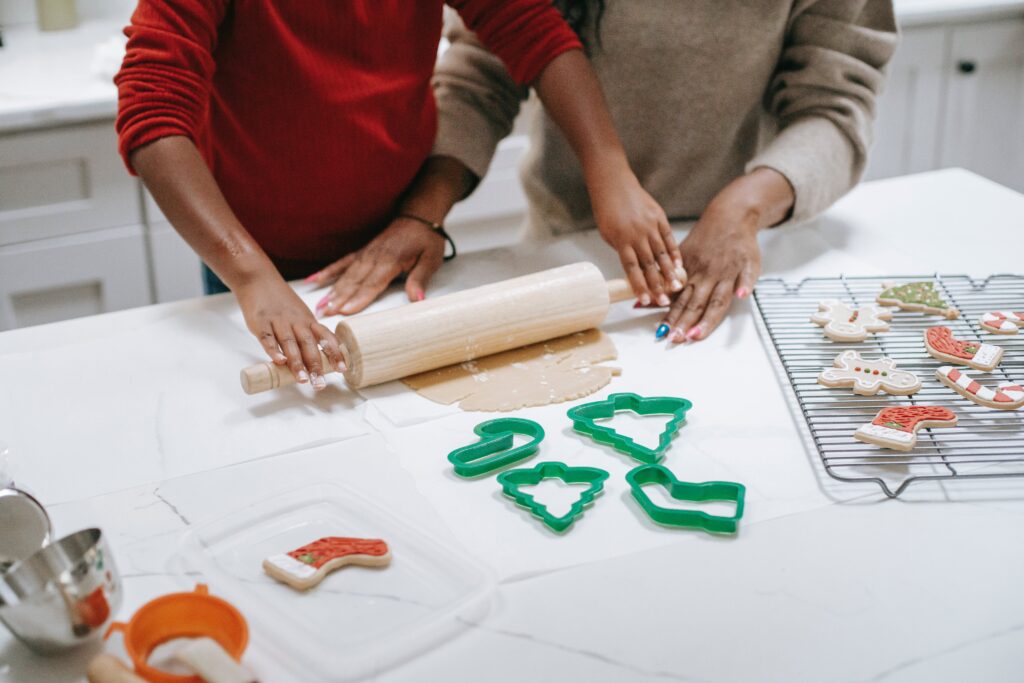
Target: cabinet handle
x,y
966,66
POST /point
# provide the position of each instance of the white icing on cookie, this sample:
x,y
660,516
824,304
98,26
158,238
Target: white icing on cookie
x,y
868,376
887,433
289,564
987,354
842,322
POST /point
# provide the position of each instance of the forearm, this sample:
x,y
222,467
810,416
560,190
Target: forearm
x,y
440,183
182,185
763,197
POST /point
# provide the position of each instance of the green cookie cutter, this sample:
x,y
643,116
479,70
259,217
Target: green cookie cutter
x,y
682,490
511,481
584,421
494,450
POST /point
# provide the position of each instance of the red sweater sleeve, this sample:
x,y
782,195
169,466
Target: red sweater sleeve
x,y
163,86
526,34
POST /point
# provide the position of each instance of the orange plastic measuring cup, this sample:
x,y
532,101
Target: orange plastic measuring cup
x,y
181,615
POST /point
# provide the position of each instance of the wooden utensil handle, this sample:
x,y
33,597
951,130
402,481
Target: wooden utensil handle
x,y
621,290
266,376
109,669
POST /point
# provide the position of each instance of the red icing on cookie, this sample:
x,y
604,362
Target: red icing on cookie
x,y
320,552
904,418
942,340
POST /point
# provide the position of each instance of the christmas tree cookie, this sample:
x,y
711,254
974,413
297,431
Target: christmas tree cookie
x,y
917,296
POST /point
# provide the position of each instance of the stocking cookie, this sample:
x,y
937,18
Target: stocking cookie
x,y
1006,396
1002,322
307,566
941,344
897,427
868,377
917,296
844,323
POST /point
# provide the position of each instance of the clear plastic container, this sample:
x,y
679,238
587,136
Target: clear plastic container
x,y
358,621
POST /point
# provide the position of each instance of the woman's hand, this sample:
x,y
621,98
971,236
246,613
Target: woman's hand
x,y
406,246
721,255
287,329
635,226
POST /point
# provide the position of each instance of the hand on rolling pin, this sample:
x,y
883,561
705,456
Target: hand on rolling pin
x,y
288,331
405,246
721,254
635,226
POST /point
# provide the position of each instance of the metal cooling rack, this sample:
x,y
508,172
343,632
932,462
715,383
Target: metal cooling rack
x,y
986,443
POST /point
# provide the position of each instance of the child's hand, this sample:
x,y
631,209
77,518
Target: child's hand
x,y
636,227
406,246
287,329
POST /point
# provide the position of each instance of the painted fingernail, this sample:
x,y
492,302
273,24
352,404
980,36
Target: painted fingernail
x,y
323,302
637,305
645,300
678,337
302,376
663,300
420,296
318,381
313,277
661,331
694,332
278,358
679,263
676,285
742,292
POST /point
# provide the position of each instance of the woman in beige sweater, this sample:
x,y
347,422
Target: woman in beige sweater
x,y
741,115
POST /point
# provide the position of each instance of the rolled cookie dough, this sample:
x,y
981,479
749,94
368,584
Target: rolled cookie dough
x,y
558,370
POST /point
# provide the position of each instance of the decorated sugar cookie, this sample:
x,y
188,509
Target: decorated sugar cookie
x,y
1006,396
917,296
844,323
307,566
868,377
1002,322
897,427
941,344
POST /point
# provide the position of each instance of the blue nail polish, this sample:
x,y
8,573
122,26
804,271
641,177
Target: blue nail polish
x,y
661,332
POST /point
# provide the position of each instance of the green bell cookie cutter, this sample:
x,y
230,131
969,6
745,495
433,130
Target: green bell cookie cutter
x,y
511,481
682,490
494,450
584,421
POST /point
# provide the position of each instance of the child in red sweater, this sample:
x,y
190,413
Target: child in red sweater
x,y
284,138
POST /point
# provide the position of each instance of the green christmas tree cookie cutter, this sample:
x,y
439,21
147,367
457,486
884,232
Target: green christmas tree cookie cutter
x,y
686,491
512,480
584,419
494,449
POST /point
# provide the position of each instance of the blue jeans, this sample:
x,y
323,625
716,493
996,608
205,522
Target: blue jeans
x,y
211,283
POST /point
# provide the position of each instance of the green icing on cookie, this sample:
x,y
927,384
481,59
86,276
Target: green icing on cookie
x,y
916,293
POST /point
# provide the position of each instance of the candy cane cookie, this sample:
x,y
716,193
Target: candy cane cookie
x,y
844,323
941,344
897,427
917,296
868,377
1006,396
307,566
1002,322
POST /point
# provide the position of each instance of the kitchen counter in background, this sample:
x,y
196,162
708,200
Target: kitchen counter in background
x,y
134,421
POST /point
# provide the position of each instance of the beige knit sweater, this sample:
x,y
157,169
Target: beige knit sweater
x,y
700,90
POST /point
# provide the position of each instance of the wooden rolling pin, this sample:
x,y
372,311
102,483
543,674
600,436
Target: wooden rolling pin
x,y
454,328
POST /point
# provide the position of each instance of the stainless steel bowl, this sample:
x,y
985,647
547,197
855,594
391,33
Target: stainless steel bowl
x,y
24,526
64,595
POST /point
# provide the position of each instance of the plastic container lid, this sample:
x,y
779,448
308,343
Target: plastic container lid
x,y
358,621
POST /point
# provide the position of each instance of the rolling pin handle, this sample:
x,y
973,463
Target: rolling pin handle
x,y
262,377
620,290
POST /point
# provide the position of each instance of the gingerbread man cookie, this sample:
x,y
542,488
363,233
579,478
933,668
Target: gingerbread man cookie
x,y
917,296
941,344
868,377
307,566
1006,396
1002,322
844,323
897,427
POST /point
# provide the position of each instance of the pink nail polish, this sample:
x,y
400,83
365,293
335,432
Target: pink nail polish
x,y
420,296
677,336
693,333
323,302
742,292
313,277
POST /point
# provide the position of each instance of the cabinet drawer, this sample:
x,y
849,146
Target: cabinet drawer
x,y
176,268
70,277
62,181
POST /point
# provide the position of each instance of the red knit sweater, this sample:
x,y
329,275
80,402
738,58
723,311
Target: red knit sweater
x,y
314,115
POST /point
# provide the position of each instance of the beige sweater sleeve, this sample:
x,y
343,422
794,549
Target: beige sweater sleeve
x,y
477,100
823,97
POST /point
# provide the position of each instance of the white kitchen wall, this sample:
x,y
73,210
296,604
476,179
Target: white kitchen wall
x,y
17,12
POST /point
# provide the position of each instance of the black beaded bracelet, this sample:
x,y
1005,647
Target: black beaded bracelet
x,y
436,227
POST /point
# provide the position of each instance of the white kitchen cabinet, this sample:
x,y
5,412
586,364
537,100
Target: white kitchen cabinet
x,y
984,128
176,268
68,277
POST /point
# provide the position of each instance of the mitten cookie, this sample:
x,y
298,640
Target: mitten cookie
x,y
941,344
868,377
307,566
1006,396
917,296
1002,322
897,427
844,323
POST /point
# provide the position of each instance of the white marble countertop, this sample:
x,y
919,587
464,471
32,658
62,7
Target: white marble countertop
x,y
134,422
48,78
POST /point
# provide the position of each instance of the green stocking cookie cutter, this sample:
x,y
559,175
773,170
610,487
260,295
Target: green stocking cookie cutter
x,y
511,481
682,490
494,450
584,421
